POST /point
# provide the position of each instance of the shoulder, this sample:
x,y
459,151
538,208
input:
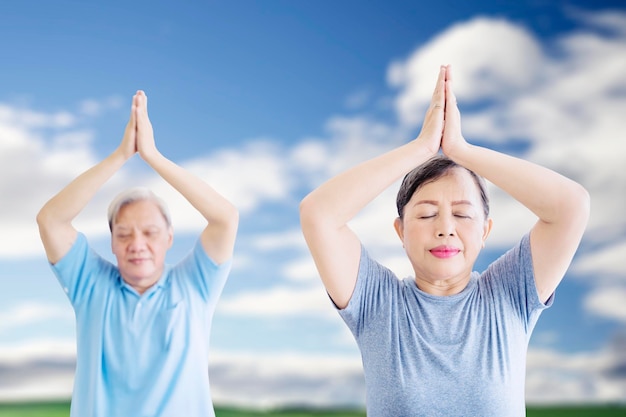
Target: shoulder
x,y
516,261
201,273
511,277
376,287
82,271
82,255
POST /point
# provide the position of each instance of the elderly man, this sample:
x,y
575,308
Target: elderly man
x,y
142,326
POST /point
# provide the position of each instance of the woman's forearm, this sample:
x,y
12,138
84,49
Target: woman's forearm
x,y
341,198
549,195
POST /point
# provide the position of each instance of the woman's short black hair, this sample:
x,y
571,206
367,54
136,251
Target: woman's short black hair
x,y
431,170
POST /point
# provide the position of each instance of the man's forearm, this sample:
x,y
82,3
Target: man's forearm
x,y
211,205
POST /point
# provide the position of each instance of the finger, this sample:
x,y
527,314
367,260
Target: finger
x,y
448,72
141,105
142,98
451,102
133,107
441,76
438,99
453,115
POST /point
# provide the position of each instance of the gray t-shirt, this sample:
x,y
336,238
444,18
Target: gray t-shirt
x,y
460,355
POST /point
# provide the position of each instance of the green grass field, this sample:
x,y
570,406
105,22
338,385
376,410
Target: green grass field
x,y
62,409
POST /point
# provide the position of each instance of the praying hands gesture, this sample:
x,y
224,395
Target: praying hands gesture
x,y
441,129
55,218
561,205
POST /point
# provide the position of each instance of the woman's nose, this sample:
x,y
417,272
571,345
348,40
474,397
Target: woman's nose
x,y
445,226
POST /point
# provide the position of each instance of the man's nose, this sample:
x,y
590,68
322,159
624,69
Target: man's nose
x,y
137,241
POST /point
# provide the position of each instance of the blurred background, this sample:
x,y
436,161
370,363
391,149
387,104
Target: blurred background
x,y
267,99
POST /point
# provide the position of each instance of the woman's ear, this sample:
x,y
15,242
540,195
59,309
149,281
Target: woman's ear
x,y
399,226
487,229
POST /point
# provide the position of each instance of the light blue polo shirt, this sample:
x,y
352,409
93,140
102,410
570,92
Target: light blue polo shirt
x,y
141,355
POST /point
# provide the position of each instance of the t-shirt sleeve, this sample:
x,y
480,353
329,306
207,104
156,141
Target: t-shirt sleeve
x,y
513,275
78,270
372,293
205,275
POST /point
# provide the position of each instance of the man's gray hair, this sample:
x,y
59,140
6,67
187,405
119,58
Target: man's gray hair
x,y
133,195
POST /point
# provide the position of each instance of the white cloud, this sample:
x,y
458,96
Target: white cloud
x,y
605,265
26,118
610,19
609,302
553,377
279,240
34,165
30,350
29,313
286,379
492,59
248,176
37,369
301,270
279,301
94,107
349,141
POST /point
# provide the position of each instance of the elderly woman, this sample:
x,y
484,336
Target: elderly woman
x,y
450,341
142,326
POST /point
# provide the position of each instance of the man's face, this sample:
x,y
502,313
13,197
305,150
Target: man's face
x,y
140,239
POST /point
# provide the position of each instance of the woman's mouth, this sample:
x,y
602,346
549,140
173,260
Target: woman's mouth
x,y
443,252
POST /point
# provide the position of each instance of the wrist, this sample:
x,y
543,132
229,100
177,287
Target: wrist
x,y
459,153
421,150
151,157
122,155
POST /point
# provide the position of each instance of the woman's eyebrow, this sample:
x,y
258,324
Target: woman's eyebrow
x,y
436,203
466,202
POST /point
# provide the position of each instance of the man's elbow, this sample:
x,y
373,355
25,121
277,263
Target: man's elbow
x,y
43,218
230,217
233,217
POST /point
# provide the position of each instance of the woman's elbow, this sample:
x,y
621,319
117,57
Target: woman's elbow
x,y
577,207
309,211
583,202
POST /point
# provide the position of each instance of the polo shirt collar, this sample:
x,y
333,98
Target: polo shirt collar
x,y
161,283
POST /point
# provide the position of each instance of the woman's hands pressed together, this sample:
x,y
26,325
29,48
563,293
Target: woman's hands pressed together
x,y
452,139
433,126
441,129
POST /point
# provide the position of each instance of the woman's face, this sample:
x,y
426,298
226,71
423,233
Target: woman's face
x,y
443,231
140,239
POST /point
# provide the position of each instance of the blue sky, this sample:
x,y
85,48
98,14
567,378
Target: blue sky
x,y
265,100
